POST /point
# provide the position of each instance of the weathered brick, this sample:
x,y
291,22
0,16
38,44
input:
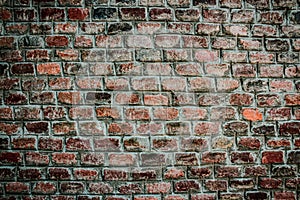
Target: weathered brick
x,y
65,28
133,13
55,14
160,14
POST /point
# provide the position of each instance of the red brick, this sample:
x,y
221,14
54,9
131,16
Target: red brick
x,y
85,174
206,56
191,113
224,43
223,113
92,159
242,157
180,27
174,173
186,186
49,69
281,195
231,3
227,85
242,16
59,173
213,157
137,114
69,97
228,171
263,30
28,15
167,41
199,172
242,183
144,84
16,98
165,113
292,99
35,158
54,113
120,128
256,171
108,112
64,128
278,114
100,188
83,41
130,188
207,29
16,28
187,14
80,14
203,197
249,143
12,158
107,144
216,185
92,28
111,41
64,158
164,144
53,144
24,143
269,157
122,160
10,56
77,144
29,173
148,27
81,113
122,83
160,14
37,55
6,113
7,42
44,188
138,174
270,183
57,41
55,14
241,99
202,84
133,13
252,114
177,55
17,187
5,14
9,83
217,70
72,187
193,144
215,15
68,54
207,128
173,84
235,57
281,86
158,188
278,143
115,175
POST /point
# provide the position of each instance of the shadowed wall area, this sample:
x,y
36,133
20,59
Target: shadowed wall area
x,y
149,99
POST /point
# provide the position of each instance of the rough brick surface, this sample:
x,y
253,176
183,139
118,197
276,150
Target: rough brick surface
x,y
149,99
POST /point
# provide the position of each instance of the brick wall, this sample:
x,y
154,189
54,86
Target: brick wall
x,y
149,99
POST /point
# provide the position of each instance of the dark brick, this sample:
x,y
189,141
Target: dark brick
x,y
116,28
105,13
22,69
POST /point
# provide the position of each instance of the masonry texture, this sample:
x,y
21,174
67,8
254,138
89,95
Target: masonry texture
x,y
149,99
